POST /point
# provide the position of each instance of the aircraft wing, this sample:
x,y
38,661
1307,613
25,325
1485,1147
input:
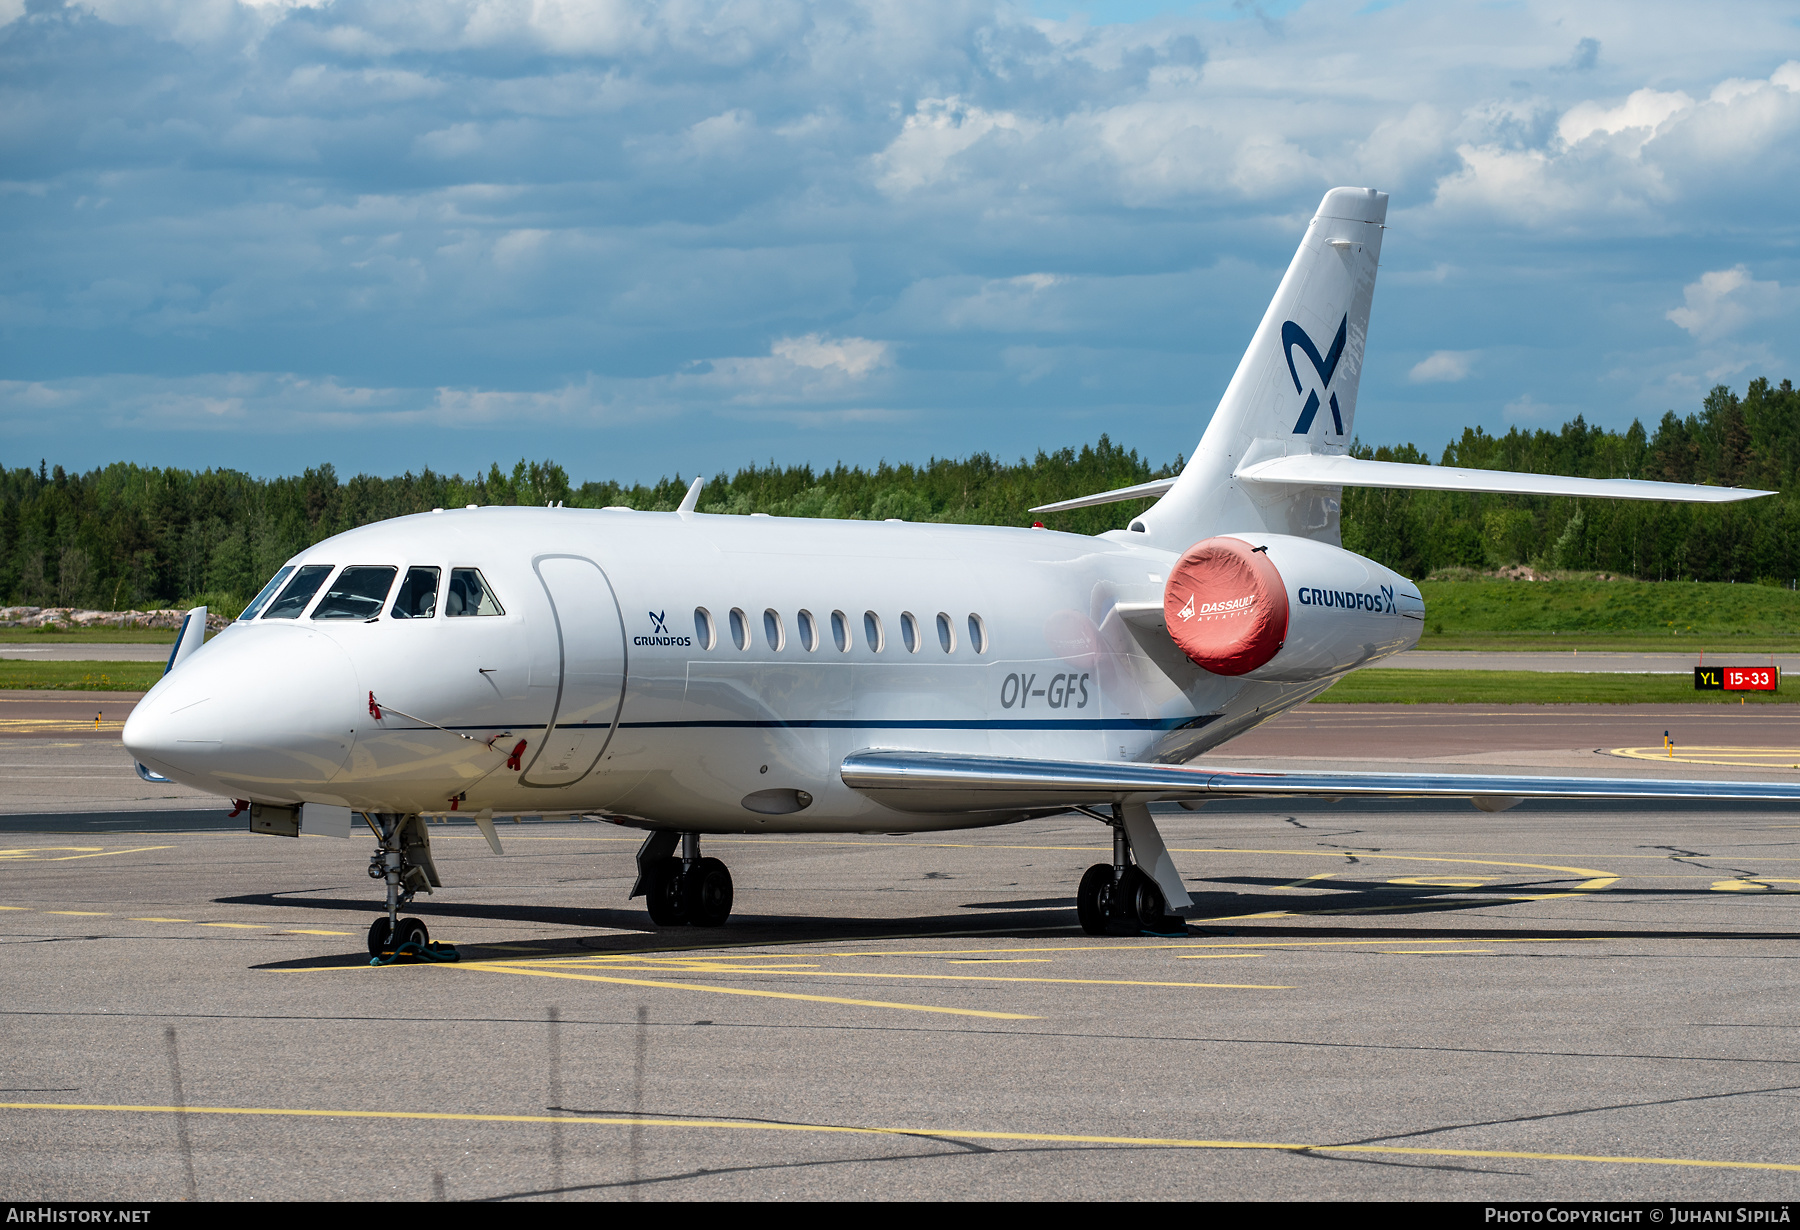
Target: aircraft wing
x,y
944,781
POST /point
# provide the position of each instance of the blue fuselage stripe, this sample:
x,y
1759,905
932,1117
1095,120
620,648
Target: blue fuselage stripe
x,y
1174,723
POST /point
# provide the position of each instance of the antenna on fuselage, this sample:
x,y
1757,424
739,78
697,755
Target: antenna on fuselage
x,y
691,500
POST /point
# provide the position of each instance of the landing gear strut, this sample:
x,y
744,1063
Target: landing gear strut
x,y
688,889
403,860
1118,898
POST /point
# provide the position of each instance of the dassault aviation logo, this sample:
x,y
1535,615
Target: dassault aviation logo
x,y
1217,610
659,632
1293,335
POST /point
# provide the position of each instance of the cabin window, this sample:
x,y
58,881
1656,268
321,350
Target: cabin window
x,y
946,633
417,598
978,640
909,631
358,593
774,634
840,631
809,630
299,592
873,633
705,635
469,594
268,592
740,629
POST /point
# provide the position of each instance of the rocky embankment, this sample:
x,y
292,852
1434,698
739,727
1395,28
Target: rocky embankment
x,y
70,617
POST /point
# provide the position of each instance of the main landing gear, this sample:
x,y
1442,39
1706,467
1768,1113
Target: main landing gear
x,y
1119,898
685,889
403,860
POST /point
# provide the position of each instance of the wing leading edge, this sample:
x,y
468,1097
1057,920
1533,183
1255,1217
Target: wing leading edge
x,y
943,781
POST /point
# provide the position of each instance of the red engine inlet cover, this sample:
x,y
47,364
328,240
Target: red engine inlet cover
x,y
1226,606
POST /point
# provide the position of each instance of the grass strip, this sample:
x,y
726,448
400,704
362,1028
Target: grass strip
x,y
1741,650
1376,686
17,675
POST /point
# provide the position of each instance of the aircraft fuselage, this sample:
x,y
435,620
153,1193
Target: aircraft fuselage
x,y
707,673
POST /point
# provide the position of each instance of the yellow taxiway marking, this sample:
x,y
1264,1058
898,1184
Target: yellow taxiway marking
x,y
239,926
1753,884
1735,757
1178,946
682,965
689,986
1308,880
1373,855
60,726
160,920
41,854
302,931
1440,881
834,1129
1000,961
81,913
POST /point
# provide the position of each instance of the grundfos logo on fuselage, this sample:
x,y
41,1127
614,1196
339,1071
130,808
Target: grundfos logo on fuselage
x,y
1380,602
659,632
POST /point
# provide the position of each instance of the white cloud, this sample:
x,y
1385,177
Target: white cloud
x,y
1644,111
1723,302
1442,367
1629,164
856,357
932,137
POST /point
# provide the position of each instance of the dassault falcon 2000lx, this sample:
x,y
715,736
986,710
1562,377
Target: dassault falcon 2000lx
x,y
689,674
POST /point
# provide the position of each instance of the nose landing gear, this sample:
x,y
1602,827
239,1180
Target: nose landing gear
x,y
403,860
688,889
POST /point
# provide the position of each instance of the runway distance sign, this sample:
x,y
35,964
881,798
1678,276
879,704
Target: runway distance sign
x,y
1737,678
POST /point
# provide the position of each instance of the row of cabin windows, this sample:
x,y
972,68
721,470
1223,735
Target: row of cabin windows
x,y
361,591
810,635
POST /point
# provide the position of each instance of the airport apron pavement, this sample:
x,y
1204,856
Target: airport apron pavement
x,y
1382,999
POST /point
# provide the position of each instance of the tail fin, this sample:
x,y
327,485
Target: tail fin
x,y
1294,391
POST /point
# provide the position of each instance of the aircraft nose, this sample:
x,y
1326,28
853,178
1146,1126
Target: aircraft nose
x,y
256,710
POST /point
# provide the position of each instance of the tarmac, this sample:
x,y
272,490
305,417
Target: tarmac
x,y
1393,1000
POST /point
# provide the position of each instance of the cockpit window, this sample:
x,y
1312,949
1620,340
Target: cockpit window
x,y
469,594
358,593
268,592
417,598
299,592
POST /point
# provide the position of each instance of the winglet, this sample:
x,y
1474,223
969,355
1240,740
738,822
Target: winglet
x,y
691,500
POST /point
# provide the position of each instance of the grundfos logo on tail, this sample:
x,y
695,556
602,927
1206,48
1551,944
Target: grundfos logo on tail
x,y
1381,602
659,632
1293,335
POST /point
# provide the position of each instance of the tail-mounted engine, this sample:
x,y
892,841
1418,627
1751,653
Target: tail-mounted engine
x,y
1276,607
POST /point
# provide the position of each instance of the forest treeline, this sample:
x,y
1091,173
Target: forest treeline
x,y
127,536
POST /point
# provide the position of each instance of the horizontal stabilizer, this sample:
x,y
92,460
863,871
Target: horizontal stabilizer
x,y
1142,491
943,781
1319,470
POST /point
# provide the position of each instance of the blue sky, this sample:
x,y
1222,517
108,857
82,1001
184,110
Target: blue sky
x,y
644,239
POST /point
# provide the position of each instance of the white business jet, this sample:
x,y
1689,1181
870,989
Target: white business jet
x,y
689,674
